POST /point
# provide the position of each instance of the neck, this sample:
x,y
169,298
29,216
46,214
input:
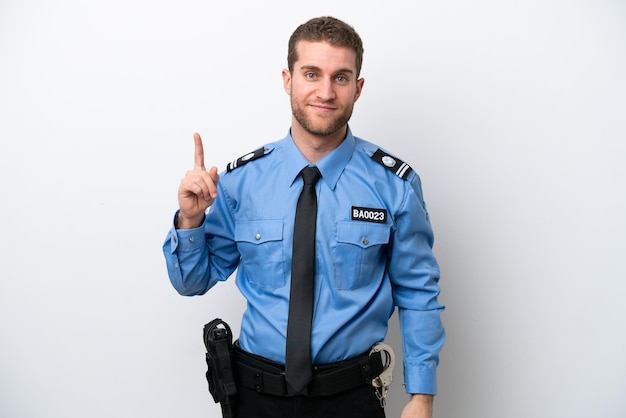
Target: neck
x,y
315,147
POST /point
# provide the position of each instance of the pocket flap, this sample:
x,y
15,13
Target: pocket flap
x,y
258,232
362,234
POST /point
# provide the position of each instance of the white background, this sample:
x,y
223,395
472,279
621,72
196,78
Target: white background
x,y
513,113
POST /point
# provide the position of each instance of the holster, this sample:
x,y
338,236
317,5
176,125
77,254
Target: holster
x,y
218,340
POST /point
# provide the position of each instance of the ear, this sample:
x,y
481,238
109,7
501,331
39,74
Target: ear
x,y
359,88
287,81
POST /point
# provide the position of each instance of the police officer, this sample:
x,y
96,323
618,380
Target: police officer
x,y
373,244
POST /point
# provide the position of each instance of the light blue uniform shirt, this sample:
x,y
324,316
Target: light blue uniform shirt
x,y
373,253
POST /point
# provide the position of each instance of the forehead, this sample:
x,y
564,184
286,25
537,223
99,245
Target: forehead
x,y
325,56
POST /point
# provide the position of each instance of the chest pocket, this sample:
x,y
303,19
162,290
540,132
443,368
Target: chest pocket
x,y
359,255
261,246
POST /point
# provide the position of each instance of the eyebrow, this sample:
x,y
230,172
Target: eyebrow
x,y
315,68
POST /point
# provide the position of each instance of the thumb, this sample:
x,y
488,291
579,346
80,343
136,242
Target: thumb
x,y
215,178
214,175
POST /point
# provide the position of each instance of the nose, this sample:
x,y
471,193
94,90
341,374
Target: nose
x,y
326,90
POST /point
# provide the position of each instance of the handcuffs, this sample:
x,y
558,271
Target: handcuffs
x,y
383,381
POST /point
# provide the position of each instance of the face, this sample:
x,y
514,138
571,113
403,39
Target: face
x,y
323,87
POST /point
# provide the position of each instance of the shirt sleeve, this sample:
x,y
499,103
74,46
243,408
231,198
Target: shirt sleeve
x,y
414,273
198,258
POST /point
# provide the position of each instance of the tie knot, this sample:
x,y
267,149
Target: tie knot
x,y
311,175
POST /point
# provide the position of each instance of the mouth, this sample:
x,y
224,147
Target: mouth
x,y
322,108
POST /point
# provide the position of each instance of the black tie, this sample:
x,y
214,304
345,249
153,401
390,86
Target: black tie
x,y
298,370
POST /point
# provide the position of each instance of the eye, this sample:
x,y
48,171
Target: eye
x,y
309,76
342,78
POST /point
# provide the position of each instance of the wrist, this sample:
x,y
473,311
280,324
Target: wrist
x,y
183,222
423,403
422,398
419,406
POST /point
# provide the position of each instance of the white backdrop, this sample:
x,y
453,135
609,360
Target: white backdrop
x,y
513,113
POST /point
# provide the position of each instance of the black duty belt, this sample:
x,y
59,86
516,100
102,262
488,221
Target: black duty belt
x,y
265,376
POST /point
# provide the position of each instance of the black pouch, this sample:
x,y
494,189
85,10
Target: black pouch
x,y
218,340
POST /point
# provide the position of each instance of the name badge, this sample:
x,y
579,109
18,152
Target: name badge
x,y
369,214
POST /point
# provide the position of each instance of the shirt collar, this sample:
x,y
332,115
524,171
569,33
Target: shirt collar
x,y
331,166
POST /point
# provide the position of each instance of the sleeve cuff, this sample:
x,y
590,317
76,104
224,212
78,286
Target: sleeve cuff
x,y
421,380
186,239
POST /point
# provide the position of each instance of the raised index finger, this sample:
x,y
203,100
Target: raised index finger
x,y
199,151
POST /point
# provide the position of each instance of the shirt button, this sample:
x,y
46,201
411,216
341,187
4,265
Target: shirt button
x,y
257,237
365,241
191,239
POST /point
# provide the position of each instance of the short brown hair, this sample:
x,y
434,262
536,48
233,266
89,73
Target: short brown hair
x,y
328,29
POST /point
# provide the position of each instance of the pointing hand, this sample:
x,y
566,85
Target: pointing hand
x,y
197,190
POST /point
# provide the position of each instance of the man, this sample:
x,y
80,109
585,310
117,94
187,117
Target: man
x,y
372,246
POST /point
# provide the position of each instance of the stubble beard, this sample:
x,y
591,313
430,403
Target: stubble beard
x,y
326,127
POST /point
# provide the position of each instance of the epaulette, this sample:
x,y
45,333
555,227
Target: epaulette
x,y
246,159
399,167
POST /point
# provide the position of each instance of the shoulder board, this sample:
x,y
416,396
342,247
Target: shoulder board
x,y
399,167
246,159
